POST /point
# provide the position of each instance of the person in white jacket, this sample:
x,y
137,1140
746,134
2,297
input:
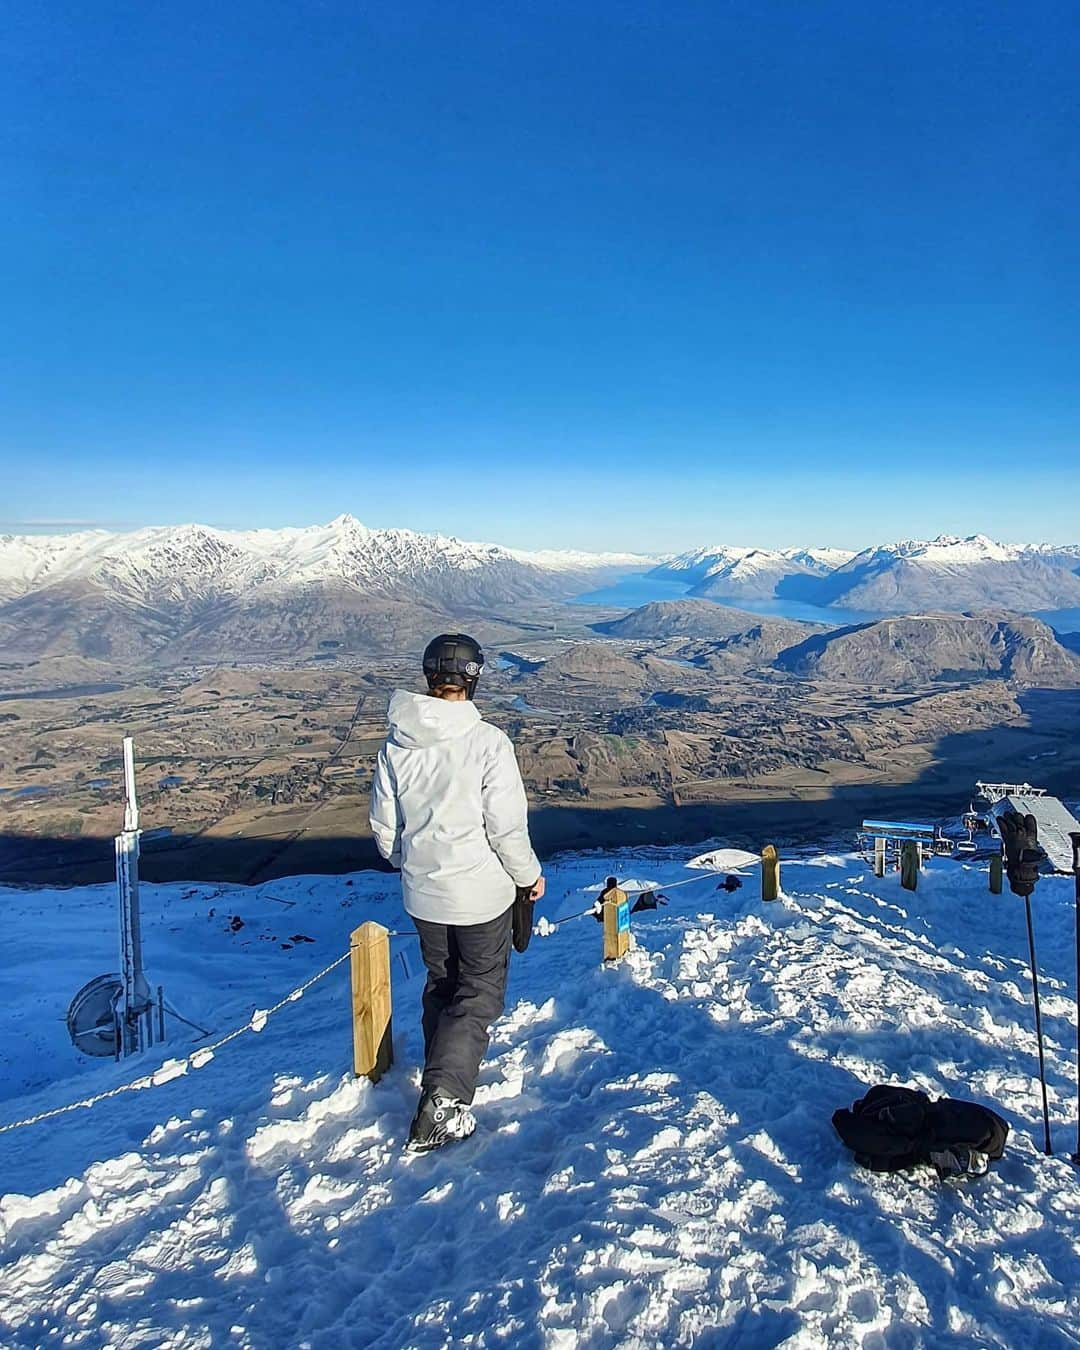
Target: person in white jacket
x,y
448,809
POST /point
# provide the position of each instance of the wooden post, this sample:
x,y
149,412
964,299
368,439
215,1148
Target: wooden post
x,y
373,1050
879,856
909,865
616,923
770,873
997,874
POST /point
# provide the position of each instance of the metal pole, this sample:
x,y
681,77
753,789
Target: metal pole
x,y
1038,1027
131,805
136,1023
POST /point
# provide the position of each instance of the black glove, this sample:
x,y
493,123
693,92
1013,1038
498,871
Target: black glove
x,y
522,918
1020,838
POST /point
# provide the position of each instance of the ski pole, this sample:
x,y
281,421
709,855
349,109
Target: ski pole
x,y
1075,837
1038,1026
1020,840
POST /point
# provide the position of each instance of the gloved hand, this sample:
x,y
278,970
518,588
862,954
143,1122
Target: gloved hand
x,y
1020,838
522,917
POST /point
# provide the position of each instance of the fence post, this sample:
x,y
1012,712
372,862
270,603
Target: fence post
x,y
616,908
770,873
997,874
909,865
879,856
373,1050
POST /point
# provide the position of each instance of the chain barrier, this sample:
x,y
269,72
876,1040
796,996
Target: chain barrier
x,y
198,1059
176,1068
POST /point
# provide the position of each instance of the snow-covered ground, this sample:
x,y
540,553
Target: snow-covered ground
x,y
655,1163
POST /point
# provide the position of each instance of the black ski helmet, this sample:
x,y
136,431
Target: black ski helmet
x,y
453,659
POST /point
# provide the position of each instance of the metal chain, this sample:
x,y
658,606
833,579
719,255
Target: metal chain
x,y
177,1068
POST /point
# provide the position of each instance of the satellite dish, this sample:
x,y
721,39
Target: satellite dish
x,y
91,1018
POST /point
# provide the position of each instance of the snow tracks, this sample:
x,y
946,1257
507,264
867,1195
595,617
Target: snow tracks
x,y
655,1163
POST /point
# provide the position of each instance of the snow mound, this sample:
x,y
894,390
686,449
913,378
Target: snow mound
x,y
725,860
632,886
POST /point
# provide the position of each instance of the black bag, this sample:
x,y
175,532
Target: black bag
x,y
893,1128
647,900
523,918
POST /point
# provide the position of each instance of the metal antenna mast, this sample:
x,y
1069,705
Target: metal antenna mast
x,y
113,1015
135,1011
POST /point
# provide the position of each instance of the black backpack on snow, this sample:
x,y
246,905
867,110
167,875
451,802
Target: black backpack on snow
x,y
893,1128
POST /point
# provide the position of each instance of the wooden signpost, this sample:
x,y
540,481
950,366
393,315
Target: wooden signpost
x,y
770,873
373,1051
616,909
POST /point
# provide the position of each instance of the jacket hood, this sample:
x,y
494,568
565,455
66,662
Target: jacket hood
x,y
418,720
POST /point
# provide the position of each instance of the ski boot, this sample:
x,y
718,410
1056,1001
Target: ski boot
x,y
439,1119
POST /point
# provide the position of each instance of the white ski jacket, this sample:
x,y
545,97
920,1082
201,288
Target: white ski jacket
x,y
448,807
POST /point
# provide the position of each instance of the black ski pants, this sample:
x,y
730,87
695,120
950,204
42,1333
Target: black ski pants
x,y
466,986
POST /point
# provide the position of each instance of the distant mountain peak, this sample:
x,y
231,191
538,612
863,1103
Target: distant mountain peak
x,y
347,524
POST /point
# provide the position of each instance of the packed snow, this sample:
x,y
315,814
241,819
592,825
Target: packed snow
x,y
655,1162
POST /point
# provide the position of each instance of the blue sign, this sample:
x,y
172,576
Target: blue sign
x,y
622,915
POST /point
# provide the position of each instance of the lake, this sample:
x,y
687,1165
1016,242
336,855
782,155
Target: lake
x,y
639,588
1061,620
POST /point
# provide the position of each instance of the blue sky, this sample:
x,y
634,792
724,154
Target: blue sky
x,y
546,273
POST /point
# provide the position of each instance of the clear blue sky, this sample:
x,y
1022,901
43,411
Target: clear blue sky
x,y
545,273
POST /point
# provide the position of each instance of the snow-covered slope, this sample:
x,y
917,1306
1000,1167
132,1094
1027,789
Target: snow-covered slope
x,y
655,1163
696,563
756,575
821,560
29,560
730,573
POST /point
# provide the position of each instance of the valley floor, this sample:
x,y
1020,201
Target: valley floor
x,y
655,1163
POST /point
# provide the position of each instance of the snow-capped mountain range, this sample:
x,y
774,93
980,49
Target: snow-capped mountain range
x,y
945,573
731,572
188,563
957,574
701,563
194,593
